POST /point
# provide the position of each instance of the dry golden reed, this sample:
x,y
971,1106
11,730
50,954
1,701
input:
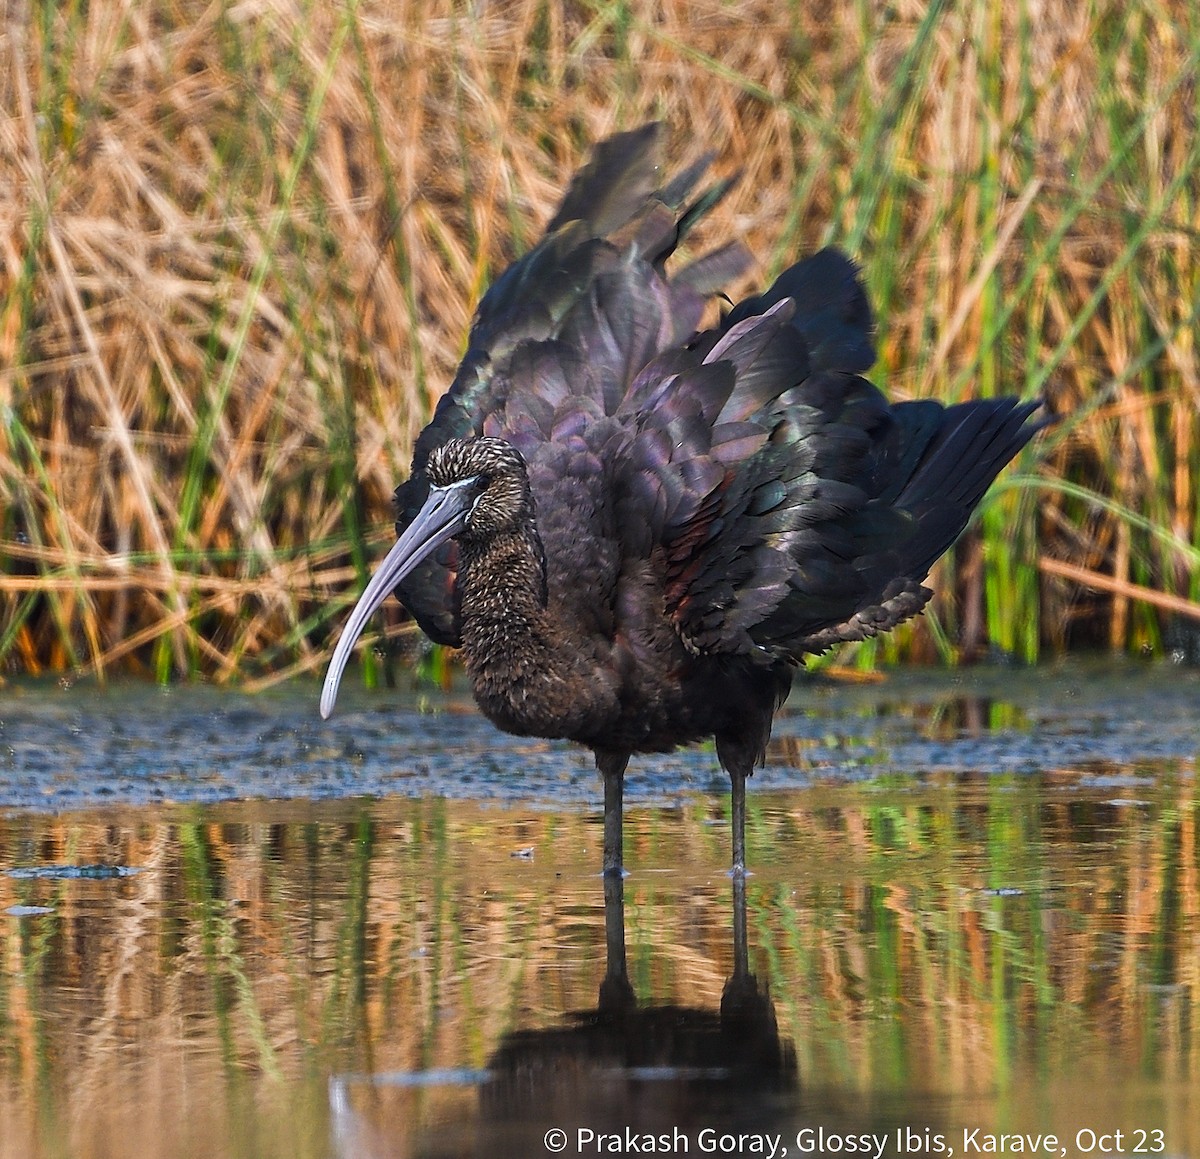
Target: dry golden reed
x,y
240,244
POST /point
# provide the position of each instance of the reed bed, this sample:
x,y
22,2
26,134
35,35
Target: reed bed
x,y
240,244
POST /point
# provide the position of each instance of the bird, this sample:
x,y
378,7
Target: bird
x,y
636,526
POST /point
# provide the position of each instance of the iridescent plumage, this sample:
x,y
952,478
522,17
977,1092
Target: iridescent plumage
x,y
636,530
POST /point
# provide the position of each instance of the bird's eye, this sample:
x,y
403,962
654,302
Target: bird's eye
x,y
476,487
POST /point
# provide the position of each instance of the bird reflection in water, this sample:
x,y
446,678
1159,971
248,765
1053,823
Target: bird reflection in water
x,y
626,1066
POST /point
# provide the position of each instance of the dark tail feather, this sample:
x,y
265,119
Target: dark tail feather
x,y
832,311
957,461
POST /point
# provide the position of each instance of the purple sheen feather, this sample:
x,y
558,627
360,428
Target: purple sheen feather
x,y
620,175
575,417
523,431
617,330
701,475
653,232
767,497
716,270
651,450
647,501
526,408
654,378
743,342
826,390
542,370
797,428
683,317
646,393
814,511
698,390
847,496
568,424
843,456
734,443
763,385
674,193
687,431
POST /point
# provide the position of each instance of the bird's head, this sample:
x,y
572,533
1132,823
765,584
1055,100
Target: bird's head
x,y
491,477
478,488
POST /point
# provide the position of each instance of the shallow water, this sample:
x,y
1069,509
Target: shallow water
x,y
975,907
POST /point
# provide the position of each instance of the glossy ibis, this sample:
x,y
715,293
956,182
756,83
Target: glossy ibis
x,y
636,529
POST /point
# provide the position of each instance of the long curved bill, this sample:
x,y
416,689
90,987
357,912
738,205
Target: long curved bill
x,y
443,516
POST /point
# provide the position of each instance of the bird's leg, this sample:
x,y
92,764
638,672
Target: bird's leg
x,y
737,809
612,769
738,753
613,822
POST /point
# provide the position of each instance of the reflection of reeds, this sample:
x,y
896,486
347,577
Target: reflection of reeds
x,y
960,936
239,250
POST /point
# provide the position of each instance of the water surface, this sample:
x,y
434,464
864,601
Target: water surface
x,y
230,929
